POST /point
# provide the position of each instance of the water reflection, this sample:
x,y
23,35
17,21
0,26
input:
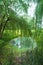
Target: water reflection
x,y
24,42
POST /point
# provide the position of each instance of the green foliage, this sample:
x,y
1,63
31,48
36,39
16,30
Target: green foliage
x,y
12,25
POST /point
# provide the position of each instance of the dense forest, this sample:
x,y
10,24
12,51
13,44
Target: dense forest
x,y
21,32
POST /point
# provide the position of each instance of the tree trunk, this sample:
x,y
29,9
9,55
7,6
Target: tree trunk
x,y
2,27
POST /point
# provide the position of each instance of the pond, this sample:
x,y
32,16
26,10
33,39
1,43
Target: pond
x,y
24,42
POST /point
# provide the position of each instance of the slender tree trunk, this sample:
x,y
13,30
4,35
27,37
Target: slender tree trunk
x,y
2,27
